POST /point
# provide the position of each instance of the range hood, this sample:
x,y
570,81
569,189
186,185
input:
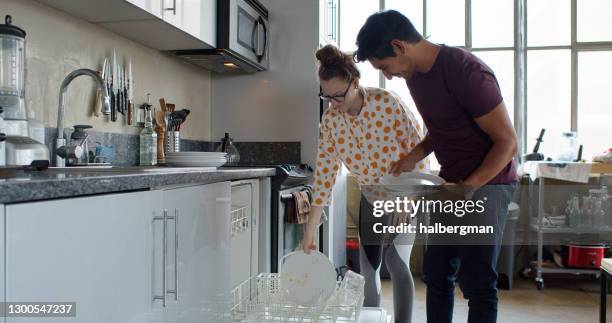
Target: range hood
x,y
218,60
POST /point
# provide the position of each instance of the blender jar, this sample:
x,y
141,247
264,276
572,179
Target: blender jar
x,y
567,149
12,70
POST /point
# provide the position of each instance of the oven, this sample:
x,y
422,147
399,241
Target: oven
x,y
286,237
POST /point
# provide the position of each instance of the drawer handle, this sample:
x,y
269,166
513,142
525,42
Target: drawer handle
x,y
176,238
164,220
173,9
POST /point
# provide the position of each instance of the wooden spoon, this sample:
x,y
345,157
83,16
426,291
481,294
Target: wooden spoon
x,y
162,103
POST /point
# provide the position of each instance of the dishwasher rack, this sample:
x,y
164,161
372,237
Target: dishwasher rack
x,y
260,299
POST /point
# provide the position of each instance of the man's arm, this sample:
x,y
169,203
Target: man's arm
x,y
497,125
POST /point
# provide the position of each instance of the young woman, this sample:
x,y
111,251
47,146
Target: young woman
x,y
366,129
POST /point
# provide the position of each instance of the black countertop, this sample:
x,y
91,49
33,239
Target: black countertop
x,y
70,182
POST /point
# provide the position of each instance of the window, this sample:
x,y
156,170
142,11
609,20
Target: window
x,y
594,20
548,22
552,55
352,16
594,101
444,25
492,23
555,57
502,64
548,95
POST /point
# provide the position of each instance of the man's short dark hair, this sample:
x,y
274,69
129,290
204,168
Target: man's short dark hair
x,y
374,38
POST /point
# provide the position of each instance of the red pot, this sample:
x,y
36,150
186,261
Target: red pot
x,y
585,256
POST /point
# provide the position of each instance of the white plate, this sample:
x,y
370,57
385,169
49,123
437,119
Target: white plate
x,y
196,158
196,153
307,279
180,163
411,179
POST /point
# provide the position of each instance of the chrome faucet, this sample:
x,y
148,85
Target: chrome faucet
x,y
61,151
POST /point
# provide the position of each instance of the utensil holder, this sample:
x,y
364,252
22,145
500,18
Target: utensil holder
x,y
173,141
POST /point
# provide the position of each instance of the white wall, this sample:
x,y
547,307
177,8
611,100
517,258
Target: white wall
x,y
57,43
280,104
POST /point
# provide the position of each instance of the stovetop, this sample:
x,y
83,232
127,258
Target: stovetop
x,y
287,175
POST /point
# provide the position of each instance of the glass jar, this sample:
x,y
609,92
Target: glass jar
x,y
568,147
586,214
573,211
12,70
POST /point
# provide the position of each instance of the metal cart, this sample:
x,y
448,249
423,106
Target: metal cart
x,y
601,170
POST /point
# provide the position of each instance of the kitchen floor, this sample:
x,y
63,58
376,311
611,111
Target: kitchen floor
x,y
564,299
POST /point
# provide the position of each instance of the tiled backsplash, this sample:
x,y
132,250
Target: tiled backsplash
x,y
126,148
267,153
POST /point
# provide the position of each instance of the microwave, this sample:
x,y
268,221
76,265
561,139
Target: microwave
x,y
243,39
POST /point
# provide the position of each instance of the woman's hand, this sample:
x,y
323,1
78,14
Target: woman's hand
x,y
406,164
308,244
314,219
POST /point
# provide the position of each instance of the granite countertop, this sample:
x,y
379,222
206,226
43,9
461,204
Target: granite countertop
x,y
63,182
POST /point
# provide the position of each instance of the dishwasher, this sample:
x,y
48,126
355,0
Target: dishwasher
x,y
256,296
245,218
260,300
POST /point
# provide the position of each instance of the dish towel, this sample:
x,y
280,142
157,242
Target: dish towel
x,y
302,206
566,171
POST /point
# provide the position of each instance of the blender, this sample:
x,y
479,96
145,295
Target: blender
x,y
18,148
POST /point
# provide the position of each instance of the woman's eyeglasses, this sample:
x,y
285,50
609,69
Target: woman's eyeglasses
x,y
337,98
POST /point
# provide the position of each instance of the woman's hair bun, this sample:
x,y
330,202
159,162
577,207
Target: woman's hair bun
x,y
334,63
331,56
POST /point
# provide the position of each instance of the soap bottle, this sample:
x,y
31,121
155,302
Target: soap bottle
x,y
148,141
227,146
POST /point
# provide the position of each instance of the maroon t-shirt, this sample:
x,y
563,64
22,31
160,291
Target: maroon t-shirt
x,y
457,89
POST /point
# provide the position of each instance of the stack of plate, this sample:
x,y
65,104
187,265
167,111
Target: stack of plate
x,y
195,159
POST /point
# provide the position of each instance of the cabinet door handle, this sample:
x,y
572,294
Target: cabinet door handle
x,y
176,239
164,220
255,39
173,9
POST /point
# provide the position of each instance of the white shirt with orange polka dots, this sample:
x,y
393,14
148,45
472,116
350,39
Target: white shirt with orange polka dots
x,y
383,132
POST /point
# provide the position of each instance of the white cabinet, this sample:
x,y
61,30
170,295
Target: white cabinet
x,y
155,256
95,251
160,24
153,7
196,17
198,252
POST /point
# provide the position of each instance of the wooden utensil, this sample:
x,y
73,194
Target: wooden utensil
x,y
161,139
162,104
160,128
160,120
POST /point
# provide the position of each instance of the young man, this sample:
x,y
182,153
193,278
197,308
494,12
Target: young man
x,y
469,131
